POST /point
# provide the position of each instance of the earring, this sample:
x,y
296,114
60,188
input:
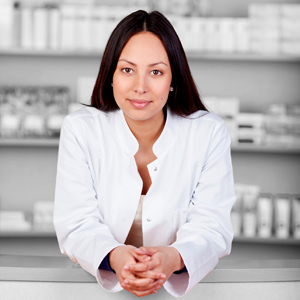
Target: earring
x,y
171,89
111,84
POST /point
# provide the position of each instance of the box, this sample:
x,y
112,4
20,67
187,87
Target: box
x,y
250,210
296,216
43,216
265,215
282,216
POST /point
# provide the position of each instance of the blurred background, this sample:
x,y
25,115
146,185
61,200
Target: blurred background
x,y
245,59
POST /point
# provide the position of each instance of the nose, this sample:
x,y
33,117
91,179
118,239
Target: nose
x,y
140,85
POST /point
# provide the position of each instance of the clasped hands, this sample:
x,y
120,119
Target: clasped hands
x,y
143,271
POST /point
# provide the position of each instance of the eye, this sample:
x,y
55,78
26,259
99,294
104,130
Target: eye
x,y
156,72
127,70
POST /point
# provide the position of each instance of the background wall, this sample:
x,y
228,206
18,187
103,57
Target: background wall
x,y
27,173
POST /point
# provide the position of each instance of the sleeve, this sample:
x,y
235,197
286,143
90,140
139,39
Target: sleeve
x,y
78,223
207,234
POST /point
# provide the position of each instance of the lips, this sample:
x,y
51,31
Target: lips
x,y
139,103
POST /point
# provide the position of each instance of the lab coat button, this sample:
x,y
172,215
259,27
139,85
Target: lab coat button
x,y
148,219
155,169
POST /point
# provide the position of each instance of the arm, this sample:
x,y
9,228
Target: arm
x,y
79,225
78,221
207,234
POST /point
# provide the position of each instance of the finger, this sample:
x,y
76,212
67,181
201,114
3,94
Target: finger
x,y
157,284
146,250
150,274
141,267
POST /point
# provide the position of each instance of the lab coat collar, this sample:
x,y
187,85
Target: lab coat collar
x,y
163,143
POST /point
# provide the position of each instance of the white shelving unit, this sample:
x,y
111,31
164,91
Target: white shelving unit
x,y
46,146
236,56
53,142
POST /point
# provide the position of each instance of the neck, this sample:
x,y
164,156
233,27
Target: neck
x,y
147,131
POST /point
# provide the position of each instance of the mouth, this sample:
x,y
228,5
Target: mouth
x,y
139,103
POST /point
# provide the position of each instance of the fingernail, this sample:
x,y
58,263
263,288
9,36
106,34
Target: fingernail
x,y
158,287
126,267
162,276
125,281
160,281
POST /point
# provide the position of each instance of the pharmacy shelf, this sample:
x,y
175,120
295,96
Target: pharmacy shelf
x,y
266,148
242,240
199,55
53,142
27,234
30,142
270,240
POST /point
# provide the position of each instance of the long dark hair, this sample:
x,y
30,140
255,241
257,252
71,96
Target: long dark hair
x,y
184,100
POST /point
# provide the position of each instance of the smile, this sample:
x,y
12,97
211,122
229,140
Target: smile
x,y
137,103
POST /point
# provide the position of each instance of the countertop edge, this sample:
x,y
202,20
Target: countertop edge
x,y
215,276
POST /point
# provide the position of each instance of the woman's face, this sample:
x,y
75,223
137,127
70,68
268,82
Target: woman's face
x,y
142,79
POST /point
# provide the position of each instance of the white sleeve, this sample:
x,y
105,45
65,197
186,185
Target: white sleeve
x,y
207,234
78,223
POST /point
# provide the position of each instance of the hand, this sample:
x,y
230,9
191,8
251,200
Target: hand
x,y
126,255
165,260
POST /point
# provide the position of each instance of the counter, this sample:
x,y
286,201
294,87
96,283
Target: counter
x,y
44,277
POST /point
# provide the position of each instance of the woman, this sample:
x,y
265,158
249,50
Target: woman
x,y
144,180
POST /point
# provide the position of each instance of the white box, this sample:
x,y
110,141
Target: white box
x,y
290,11
212,35
43,215
242,35
296,216
6,24
264,10
68,27
282,216
83,27
250,120
40,28
250,210
290,47
27,27
227,35
265,215
54,28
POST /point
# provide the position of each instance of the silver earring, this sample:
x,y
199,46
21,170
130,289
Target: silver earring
x,y
111,84
171,89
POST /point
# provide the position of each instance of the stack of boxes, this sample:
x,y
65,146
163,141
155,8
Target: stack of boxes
x,y
275,28
257,214
32,111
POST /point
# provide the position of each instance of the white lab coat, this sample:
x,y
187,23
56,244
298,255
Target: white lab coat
x,y
188,205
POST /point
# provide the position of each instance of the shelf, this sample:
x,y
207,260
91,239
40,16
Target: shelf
x,y
274,148
271,240
53,142
190,54
27,234
244,240
30,142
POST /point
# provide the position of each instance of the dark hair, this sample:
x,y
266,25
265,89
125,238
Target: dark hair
x,y
184,100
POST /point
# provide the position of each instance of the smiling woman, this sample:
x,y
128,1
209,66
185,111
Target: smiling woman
x,y
142,79
144,183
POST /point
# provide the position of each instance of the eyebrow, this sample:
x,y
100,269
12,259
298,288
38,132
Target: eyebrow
x,y
151,65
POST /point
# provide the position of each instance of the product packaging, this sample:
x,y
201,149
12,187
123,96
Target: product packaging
x,y
282,216
236,212
14,221
265,215
43,216
250,210
296,216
